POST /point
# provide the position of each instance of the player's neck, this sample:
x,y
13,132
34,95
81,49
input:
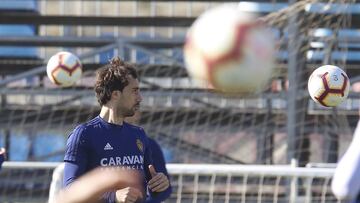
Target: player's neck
x,y
110,116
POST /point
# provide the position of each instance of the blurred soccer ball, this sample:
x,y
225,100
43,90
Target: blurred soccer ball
x,y
328,85
64,69
230,49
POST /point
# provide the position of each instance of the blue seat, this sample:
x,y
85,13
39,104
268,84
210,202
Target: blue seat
x,y
145,58
18,30
347,36
105,56
14,51
261,7
168,155
19,147
48,147
27,5
178,54
2,140
142,57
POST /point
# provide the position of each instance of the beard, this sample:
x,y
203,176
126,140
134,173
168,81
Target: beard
x,y
126,111
131,111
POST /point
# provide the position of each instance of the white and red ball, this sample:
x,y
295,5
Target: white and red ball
x,y
64,69
230,49
328,85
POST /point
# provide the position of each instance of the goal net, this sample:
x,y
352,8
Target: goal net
x,y
190,183
192,124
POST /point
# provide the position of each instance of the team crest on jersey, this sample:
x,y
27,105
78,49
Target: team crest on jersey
x,y
139,145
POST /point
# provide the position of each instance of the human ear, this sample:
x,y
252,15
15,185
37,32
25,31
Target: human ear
x,y
116,94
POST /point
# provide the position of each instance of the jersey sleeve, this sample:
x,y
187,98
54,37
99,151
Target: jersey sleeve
x,y
76,146
158,157
345,183
76,156
147,158
72,171
160,166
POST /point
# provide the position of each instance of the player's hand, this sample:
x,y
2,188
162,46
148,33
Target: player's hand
x,y
159,181
128,195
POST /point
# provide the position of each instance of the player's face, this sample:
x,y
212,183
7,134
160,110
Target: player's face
x,y
130,98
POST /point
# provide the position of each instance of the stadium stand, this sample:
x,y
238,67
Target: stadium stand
x,y
171,101
33,18
20,30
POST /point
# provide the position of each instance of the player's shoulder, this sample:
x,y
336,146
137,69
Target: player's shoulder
x,y
153,143
135,128
87,127
93,123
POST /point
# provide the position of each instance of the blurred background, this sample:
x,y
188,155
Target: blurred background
x,y
193,125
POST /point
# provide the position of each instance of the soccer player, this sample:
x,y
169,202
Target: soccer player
x,y
58,174
107,140
2,156
346,180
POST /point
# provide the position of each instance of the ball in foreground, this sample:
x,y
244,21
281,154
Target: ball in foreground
x,y
231,50
328,85
64,69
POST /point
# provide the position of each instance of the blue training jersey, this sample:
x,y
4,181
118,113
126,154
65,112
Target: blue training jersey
x,y
160,166
99,143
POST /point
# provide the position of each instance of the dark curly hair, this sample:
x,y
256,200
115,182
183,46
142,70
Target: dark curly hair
x,y
113,76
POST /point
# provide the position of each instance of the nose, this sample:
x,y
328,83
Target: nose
x,y
140,98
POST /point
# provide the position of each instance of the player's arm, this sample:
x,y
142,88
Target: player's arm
x,y
91,187
345,183
76,156
72,171
56,182
76,160
159,185
121,195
